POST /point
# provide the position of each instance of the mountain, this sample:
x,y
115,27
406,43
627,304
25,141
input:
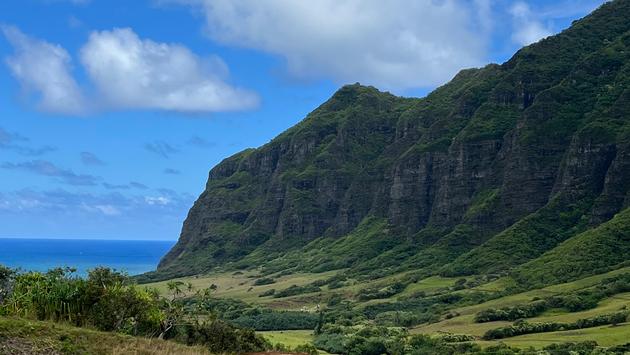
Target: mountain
x,y
519,168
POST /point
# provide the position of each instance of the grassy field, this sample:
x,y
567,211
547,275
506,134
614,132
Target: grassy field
x,y
605,336
290,338
19,336
240,285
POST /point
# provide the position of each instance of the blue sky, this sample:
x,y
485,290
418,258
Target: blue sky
x,y
112,112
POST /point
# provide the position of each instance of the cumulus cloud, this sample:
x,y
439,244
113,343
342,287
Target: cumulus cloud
x,y
161,148
46,168
88,158
394,44
127,72
135,73
527,29
44,69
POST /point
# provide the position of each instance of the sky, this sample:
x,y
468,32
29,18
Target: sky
x,y
112,112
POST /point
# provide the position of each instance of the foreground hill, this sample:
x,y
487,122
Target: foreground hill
x,y
507,168
27,337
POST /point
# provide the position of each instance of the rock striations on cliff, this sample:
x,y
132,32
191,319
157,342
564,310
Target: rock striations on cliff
x,y
490,173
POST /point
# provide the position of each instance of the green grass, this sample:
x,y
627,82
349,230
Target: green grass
x,y
604,336
35,337
241,286
290,338
430,284
595,251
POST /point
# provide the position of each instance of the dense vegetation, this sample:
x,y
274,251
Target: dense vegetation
x,y
381,340
107,301
506,180
28,337
573,301
523,327
515,169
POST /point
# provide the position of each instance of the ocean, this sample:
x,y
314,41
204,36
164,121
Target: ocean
x,y
132,256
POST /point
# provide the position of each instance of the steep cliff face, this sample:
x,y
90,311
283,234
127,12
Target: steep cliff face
x,y
489,171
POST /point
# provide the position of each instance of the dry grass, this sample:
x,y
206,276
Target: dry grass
x,y
19,336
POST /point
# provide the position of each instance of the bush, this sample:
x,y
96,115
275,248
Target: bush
x,y
512,313
107,301
220,337
332,343
6,283
296,290
573,302
396,319
270,292
274,320
522,327
376,293
264,281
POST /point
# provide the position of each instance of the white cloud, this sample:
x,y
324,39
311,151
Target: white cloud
x,y
44,68
160,200
128,73
134,73
527,29
107,210
394,44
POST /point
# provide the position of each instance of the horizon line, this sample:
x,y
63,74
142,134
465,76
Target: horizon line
x,y
95,239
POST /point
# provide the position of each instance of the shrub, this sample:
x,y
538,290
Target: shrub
x,y
6,283
330,342
264,281
269,292
106,300
296,290
522,327
379,293
512,313
274,320
220,337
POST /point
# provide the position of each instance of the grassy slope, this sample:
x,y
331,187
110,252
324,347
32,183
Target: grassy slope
x,y
241,286
19,336
605,336
237,286
594,251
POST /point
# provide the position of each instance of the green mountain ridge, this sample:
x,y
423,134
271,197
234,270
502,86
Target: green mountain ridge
x,y
519,168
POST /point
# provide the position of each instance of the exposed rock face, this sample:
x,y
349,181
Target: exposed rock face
x,y
524,154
